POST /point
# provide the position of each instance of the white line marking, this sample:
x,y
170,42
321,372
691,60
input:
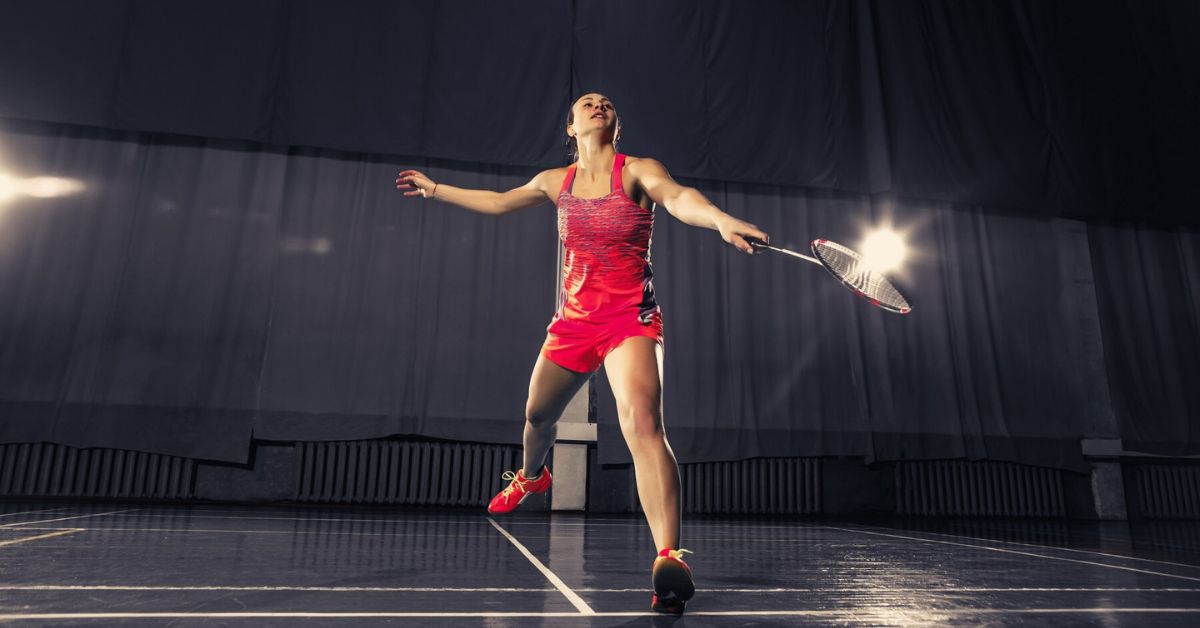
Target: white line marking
x,y
1052,547
467,518
292,532
846,614
284,588
117,587
998,528
99,514
1020,553
30,512
464,519
40,536
474,515
550,575
920,590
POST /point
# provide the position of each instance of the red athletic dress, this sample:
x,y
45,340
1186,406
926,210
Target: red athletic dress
x,y
607,292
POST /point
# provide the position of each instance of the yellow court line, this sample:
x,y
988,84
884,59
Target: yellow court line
x,y
41,536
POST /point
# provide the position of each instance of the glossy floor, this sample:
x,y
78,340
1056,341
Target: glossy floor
x,y
136,564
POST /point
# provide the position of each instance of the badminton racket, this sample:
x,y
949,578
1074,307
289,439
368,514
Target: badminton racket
x,y
849,268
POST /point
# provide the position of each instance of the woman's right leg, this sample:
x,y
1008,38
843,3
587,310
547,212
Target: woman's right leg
x,y
551,388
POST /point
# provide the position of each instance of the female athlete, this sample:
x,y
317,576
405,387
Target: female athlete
x,y
606,314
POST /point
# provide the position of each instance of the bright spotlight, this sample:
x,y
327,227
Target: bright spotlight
x,y
38,187
884,250
8,186
50,187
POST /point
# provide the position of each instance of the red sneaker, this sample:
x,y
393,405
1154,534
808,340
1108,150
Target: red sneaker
x,y
518,489
673,585
673,606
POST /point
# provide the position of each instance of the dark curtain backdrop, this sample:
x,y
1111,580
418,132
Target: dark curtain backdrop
x,y
1148,289
1082,108
199,291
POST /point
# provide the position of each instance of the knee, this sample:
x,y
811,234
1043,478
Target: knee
x,y
539,417
642,425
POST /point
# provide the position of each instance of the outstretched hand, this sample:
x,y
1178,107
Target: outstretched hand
x,y
736,231
416,183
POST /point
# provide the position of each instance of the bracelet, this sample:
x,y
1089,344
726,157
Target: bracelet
x,y
431,194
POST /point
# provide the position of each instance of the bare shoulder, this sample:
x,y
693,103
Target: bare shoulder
x,y
549,181
641,167
641,163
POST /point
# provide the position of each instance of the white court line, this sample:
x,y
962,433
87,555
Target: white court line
x,y
465,519
292,532
853,614
475,518
30,512
550,575
1009,551
116,587
616,523
892,591
1001,528
40,536
99,514
1051,547
119,587
413,516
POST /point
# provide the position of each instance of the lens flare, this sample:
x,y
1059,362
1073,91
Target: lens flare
x,y
884,250
8,186
38,187
50,187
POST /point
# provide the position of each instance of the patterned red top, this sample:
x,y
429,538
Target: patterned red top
x,y
606,270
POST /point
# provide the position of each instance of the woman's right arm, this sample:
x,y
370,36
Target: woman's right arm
x,y
482,201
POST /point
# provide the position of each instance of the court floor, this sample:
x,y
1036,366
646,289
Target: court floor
x,y
64,564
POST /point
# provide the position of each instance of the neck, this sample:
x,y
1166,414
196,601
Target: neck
x,y
595,157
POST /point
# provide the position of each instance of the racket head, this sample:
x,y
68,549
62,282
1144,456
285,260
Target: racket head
x,y
847,265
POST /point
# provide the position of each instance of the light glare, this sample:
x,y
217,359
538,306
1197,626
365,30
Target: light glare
x,y
8,186
38,187
50,187
884,250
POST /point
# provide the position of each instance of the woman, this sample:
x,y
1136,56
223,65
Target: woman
x,y
606,315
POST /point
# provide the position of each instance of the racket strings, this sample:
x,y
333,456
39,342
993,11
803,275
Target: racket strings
x,y
849,267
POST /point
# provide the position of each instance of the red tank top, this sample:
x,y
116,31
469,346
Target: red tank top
x,y
606,269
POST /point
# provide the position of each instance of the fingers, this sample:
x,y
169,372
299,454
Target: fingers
x,y
740,241
407,178
751,231
742,245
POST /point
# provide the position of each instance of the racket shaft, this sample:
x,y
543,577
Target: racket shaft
x,y
785,251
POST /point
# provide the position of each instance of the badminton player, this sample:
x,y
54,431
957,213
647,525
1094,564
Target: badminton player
x,y
606,315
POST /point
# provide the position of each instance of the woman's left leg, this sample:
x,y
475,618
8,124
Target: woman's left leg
x,y
635,373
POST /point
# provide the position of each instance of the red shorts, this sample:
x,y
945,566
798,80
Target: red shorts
x,y
581,344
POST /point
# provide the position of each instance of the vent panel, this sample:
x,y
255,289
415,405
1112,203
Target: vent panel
x,y
988,489
757,486
399,472
49,470
1168,491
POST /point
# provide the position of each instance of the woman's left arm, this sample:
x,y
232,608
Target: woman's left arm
x,y
690,206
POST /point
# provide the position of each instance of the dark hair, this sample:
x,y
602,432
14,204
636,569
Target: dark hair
x,y
572,143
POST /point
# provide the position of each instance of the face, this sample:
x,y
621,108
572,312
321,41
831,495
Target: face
x,y
591,112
